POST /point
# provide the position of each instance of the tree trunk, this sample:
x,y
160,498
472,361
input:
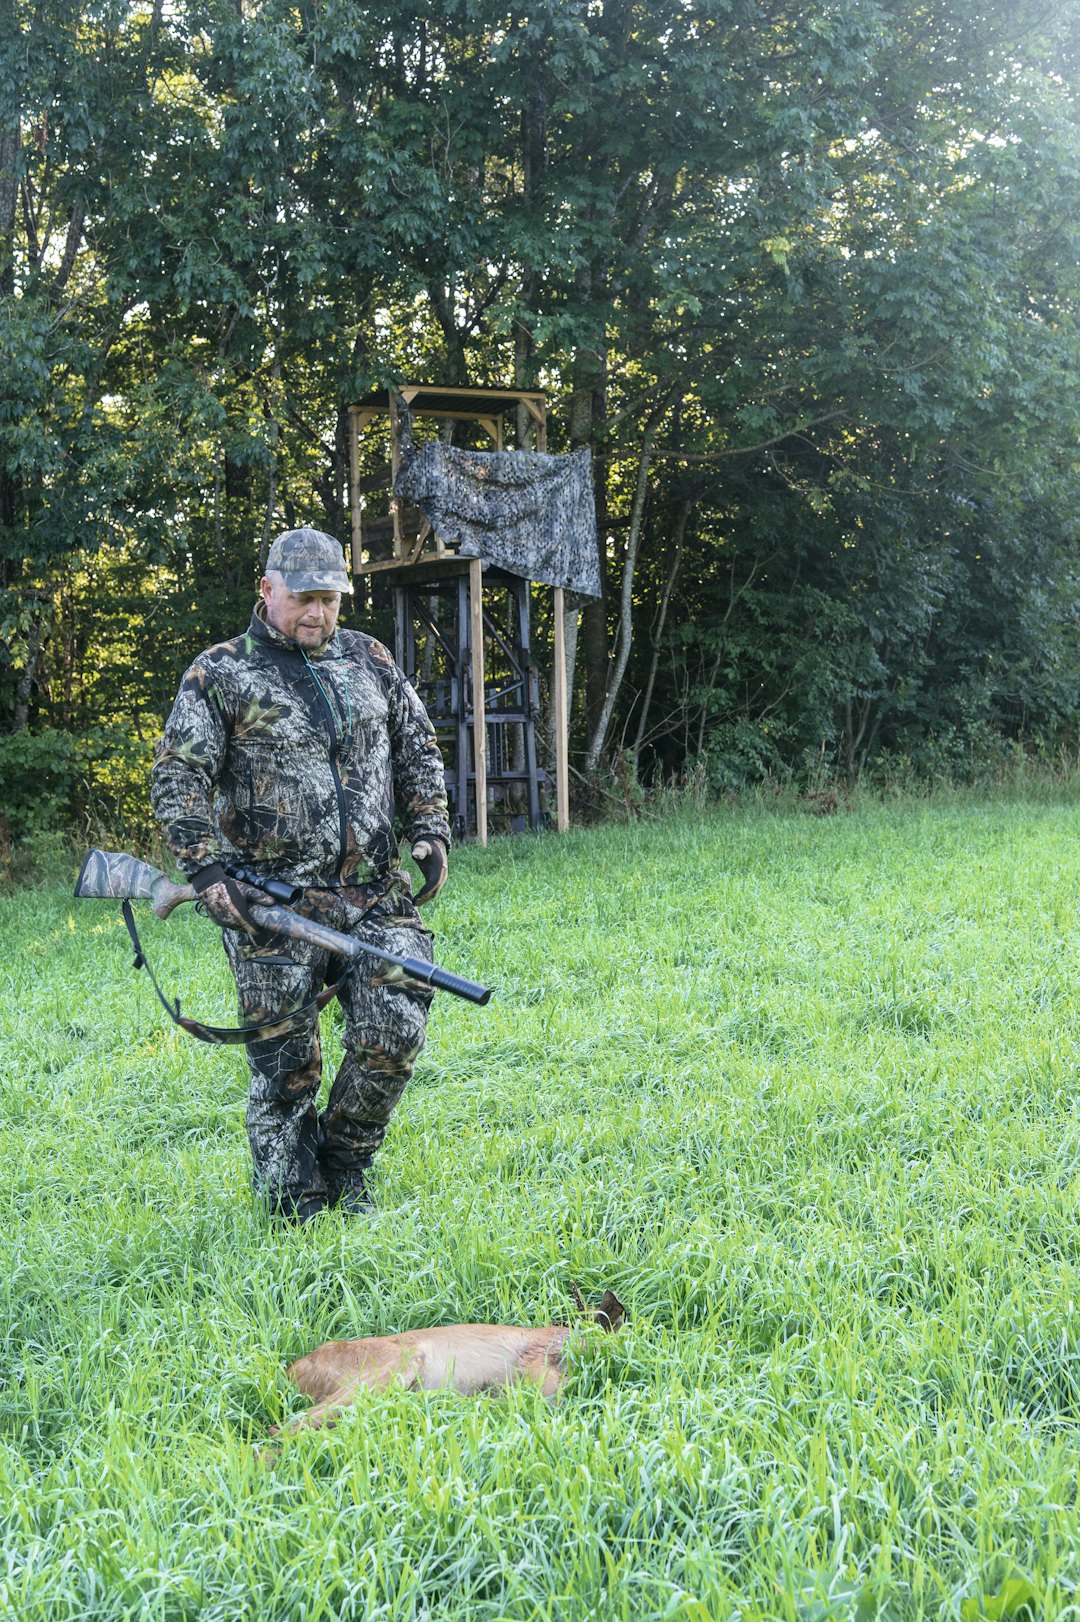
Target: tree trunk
x,y
457,366
533,163
73,243
626,603
658,632
587,413
523,347
10,143
20,717
271,499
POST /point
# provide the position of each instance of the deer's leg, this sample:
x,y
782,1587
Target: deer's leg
x,y
390,1370
323,1413
544,1368
552,1380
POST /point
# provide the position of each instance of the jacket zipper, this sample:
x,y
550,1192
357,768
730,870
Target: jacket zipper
x,y
335,750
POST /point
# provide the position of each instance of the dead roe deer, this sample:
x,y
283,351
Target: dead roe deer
x,y
457,1357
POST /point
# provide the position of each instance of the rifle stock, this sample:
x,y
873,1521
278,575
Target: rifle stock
x,y
112,874
115,875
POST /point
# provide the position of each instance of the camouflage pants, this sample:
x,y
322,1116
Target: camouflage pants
x,y
296,1151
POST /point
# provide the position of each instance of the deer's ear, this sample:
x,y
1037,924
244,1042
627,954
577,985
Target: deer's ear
x,y
611,1312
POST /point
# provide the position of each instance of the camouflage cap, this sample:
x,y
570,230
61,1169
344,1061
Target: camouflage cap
x,y
308,560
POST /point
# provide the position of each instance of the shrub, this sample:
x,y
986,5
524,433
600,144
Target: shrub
x,y
53,779
38,773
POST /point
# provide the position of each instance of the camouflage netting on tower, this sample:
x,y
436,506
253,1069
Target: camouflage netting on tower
x,y
524,511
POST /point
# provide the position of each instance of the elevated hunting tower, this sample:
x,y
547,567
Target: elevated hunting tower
x,y
462,631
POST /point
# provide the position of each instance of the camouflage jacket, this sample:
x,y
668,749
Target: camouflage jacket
x,y
295,764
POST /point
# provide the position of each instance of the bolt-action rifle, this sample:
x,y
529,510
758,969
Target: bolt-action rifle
x,y
117,876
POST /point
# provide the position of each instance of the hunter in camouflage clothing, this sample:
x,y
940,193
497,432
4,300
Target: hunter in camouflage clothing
x,y
287,752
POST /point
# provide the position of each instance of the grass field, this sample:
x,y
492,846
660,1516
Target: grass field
x,y
803,1090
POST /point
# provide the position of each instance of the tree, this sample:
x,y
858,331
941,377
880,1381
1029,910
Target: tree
x,y
803,278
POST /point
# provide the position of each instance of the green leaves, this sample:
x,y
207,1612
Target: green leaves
x,y
1014,1599
843,239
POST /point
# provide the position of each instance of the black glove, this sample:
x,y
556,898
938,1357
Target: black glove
x,y
430,857
224,899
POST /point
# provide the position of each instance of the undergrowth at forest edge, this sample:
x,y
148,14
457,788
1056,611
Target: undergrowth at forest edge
x,y
803,1090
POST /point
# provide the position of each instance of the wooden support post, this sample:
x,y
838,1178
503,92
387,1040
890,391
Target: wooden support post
x,y
395,463
562,742
404,633
476,638
354,488
461,706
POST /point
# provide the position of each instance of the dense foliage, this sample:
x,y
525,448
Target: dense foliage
x,y
804,276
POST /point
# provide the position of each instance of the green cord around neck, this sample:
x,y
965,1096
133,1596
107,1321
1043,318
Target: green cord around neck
x,y
347,732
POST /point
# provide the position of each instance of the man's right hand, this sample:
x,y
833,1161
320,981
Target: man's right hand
x,y
225,900
430,857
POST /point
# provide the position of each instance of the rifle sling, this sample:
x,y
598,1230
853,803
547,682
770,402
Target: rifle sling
x,y
229,1033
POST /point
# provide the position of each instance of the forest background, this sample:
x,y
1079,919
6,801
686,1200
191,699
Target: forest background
x,y
804,276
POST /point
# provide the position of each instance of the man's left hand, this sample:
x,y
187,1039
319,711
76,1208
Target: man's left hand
x,y
225,899
430,857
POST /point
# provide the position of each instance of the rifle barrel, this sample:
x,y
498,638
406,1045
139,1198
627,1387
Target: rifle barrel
x,y
283,921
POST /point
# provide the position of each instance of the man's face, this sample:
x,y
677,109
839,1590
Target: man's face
x,y
309,617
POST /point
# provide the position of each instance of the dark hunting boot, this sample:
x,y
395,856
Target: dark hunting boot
x,y
350,1193
299,1209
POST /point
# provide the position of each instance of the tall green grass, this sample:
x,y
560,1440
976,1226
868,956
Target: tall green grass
x,y
803,1090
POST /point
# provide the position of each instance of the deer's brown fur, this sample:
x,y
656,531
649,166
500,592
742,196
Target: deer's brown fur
x,y
457,1357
